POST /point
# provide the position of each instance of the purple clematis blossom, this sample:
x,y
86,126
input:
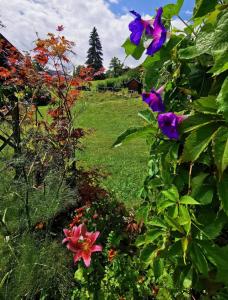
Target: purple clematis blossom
x,y
168,123
154,29
154,99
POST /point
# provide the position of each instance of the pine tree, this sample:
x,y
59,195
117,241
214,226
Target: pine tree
x,y
94,54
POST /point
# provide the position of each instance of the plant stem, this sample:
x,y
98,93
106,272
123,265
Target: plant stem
x,y
186,24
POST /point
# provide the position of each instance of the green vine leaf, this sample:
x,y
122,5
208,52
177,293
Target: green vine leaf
x,y
206,105
196,121
199,259
223,191
171,10
172,194
220,40
220,149
197,142
188,200
222,99
203,7
134,132
133,50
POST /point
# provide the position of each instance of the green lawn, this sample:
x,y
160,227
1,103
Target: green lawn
x,y
109,115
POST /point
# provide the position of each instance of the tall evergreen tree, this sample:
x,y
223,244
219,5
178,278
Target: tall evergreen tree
x,y
94,54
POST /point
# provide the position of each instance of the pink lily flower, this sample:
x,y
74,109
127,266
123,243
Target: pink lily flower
x,y
82,243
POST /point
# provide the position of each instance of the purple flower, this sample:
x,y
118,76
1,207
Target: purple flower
x,y
154,29
168,123
137,28
159,34
154,100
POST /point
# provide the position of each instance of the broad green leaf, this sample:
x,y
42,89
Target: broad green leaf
x,y
202,7
197,181
195,121
150,60
190,52
147,253
174,224
198,141
223,191
184,216
220,149
158,267
188,200
153,64
198,259
133,50
220,39
222,99
158,222
206,105
152,75
203,194
173,211
218,256
204,41
187,280
171,10
133,133
214,228
172,194
152,235
79,275
221,63
147,115
165,203
140,240
175,249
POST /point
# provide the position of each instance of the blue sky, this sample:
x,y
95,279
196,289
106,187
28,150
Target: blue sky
x,y
148,6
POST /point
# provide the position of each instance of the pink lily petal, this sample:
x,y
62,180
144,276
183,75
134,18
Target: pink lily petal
x,y
77,256
96,248
93,236
86,258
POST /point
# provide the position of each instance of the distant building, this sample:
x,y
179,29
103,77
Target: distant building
x,y
134,86
6,48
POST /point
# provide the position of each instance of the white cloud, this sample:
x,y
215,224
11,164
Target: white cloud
x,y
188,12
114,1
23,18
178,24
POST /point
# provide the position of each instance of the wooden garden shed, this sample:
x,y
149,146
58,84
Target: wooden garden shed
x,y
134,86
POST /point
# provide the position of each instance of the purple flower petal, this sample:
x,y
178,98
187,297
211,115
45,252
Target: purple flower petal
x,y
159,34
137,28
154,100
168,123
137,15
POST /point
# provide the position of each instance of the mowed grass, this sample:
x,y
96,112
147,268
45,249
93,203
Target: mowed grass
x,y
108,115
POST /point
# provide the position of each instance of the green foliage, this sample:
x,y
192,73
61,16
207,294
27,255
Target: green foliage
x,y
185,192
116,68
133,50
171,10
